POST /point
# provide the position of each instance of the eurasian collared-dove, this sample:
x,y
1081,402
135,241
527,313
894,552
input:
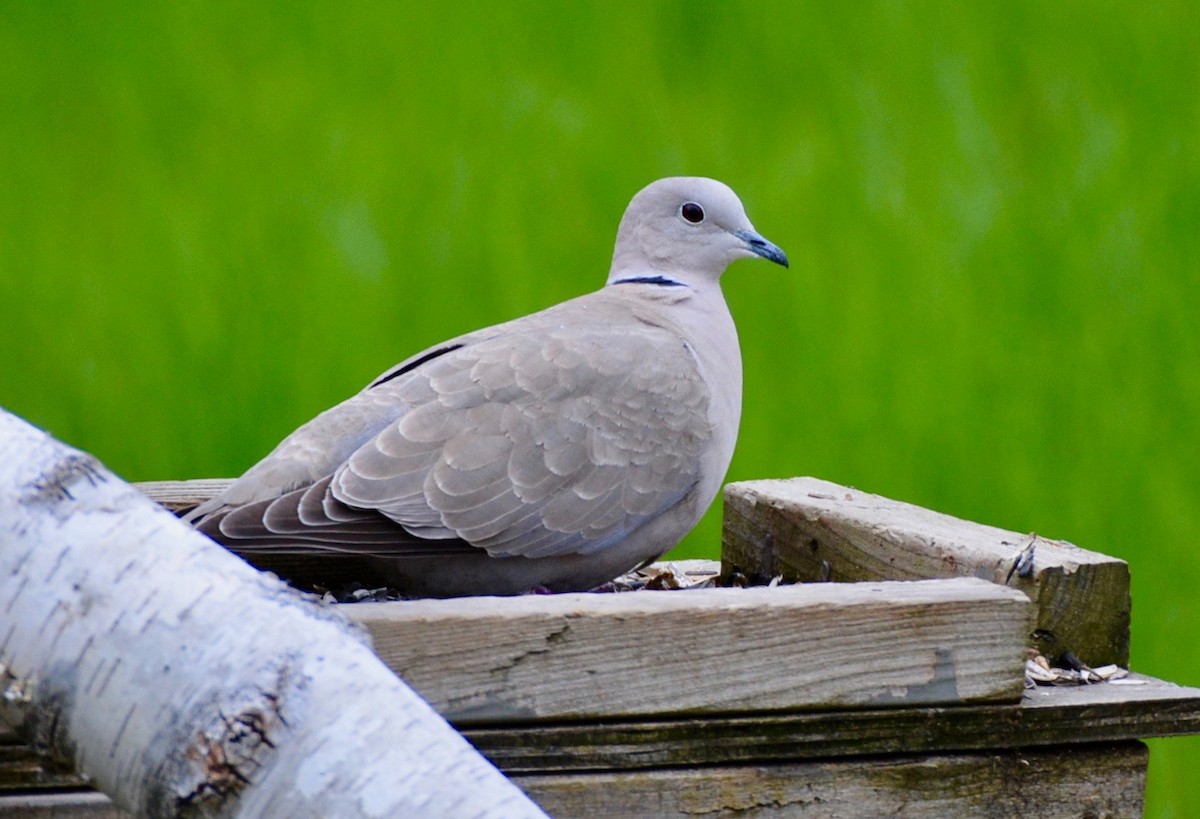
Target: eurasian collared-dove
x,y
557,450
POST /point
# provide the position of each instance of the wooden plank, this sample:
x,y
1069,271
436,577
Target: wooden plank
x,y
1053,716
1105,712
84,804
581,656
180,495
1107,780
22,768
1057,782
807,529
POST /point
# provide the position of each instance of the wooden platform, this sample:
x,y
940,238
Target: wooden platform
x,y
896,694
1065,751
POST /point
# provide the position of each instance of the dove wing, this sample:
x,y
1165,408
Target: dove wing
x,y
556,434
542,443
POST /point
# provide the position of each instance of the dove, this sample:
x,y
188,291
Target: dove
x,y
552,452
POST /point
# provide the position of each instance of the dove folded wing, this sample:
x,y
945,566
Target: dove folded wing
x,y
521,443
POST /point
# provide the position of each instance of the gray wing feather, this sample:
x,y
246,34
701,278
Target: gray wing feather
x,y
552,435
538,444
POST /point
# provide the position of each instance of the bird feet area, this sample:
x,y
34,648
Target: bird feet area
x,y
1039,671
665,576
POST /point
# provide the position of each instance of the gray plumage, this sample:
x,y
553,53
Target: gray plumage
x,y
555,450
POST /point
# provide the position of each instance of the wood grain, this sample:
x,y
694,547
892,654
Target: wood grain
x,y
179,496
1057,782
1105,780
67,804
1052,716
807,529
1105,712
578,656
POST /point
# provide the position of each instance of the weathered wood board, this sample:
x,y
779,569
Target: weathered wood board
x,y
1088,714
180,495
1057,782
1106,712
61,805
1102,713
1103,780
581,656
807,529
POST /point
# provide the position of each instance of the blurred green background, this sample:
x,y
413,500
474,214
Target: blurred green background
x,y
216,221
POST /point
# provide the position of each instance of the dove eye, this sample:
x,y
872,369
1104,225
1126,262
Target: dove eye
x,y
692,212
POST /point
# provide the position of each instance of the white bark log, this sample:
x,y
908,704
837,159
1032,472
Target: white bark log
x,y
181,680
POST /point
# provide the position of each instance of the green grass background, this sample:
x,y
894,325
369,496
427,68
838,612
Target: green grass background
x,y
217,220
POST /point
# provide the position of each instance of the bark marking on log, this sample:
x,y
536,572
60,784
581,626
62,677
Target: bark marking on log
x,y
54,486
225,758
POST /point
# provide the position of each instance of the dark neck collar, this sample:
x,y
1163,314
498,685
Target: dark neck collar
x,y
661,281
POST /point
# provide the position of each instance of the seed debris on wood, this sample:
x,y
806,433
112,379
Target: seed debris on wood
x,y
678,574
357,593
1038,671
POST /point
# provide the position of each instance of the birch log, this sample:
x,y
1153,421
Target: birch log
x,y
183,682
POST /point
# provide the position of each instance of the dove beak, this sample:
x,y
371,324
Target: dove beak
x,y
759,246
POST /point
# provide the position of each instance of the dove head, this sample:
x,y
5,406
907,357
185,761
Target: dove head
x,y
686,229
